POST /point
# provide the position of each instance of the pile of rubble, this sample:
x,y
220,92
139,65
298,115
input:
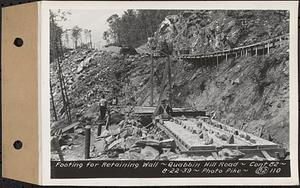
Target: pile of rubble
x,y
130,140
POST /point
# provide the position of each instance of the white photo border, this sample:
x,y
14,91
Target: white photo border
x,y
44,96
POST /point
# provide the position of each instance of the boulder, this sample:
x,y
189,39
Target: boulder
x,y
149,153
100,146
230,154
130,141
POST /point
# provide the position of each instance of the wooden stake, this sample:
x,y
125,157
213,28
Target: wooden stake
x,y
87,141
56,146
226,57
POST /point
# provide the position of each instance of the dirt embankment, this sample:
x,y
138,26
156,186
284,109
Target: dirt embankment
x,y
250,93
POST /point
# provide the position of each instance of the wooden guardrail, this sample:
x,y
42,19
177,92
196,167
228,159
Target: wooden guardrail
x,y
242,50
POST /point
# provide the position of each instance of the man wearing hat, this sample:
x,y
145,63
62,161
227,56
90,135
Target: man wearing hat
x,y
165,111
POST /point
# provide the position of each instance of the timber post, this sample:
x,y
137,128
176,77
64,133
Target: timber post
x,y
56,146
87,142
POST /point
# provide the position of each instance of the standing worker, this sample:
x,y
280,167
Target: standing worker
x,y
103,107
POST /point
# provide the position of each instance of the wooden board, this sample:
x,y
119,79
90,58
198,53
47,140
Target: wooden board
x,y
149,110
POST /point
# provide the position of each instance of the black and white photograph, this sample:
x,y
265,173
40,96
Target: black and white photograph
x,y
136,88
169,84
150,93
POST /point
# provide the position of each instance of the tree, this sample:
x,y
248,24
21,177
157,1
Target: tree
x,y
88,37
52,101
57,56
76,33
106,36
135,26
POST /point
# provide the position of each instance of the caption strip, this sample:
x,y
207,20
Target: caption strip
x,y
154,169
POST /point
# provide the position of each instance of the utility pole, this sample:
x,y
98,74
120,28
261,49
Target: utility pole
x,y
152,79
170,80
167,51
152,46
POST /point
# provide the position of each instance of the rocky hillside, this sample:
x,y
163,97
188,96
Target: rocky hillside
x,y
208,31
251,93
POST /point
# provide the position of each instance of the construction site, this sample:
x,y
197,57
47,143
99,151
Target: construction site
x,y
206,85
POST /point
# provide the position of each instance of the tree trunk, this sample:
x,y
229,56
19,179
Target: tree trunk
x,y
52,102
58,56
64,84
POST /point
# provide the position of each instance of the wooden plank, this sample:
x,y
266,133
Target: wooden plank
x,y
215,155
69,127
267,156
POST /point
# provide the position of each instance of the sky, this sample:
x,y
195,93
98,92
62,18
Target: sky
x,y
94,20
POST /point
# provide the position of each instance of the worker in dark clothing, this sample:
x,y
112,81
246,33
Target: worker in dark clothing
x,y
103,107
165,111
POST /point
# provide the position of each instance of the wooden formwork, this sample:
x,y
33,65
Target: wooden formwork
x,y
199,137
